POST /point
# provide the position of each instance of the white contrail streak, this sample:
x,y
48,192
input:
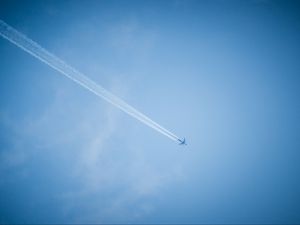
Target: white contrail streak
x,y
43,55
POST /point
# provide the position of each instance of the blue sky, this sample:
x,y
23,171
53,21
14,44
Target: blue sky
x,y
223,74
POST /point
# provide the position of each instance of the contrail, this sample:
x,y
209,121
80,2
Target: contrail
x,y
28,45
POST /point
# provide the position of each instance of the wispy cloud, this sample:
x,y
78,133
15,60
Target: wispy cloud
x,y
130,37
114,177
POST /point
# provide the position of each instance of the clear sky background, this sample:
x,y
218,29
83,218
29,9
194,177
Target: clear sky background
x,y
223,74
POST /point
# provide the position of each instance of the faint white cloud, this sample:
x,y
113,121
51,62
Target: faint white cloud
x,y
13,154
130,37
87,131
12,158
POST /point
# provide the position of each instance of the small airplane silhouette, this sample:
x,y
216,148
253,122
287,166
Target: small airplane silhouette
x,y
182,142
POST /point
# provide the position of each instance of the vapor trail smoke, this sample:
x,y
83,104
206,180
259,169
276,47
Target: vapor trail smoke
x,y
28,45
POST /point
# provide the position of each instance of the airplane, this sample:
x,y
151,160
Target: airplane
x,y
182,142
